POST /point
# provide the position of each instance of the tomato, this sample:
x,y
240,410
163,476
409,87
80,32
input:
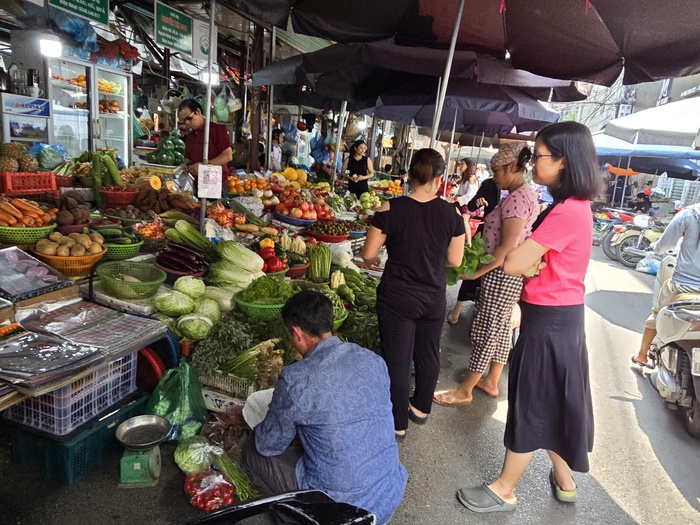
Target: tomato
x,y
275,264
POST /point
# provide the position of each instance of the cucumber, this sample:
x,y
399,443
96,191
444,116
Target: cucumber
x,y
113,171
118,240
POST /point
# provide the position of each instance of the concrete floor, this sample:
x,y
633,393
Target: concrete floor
x,y
644,468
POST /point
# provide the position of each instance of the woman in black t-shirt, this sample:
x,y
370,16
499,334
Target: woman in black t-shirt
x,y
423,234
360,168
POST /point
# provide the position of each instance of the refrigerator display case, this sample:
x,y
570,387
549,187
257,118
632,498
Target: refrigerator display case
x,y
113,112
25,119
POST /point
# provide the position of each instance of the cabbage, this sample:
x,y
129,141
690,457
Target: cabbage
x,y
194,454
174,303
225,274
169,321
208,308
194,326
50,159
190,286
223,297
239,255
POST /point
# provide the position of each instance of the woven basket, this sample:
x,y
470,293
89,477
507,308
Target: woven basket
x,y
263,312
297,272
118,252
278,275
10,235
228,384
71,266
119,198
150,279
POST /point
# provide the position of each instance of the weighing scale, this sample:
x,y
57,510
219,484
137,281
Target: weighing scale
x,y
141,437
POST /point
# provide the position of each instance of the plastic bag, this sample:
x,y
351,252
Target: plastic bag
x,y
195,454
234,104
648,265
178,398
50,157
220,107
227,430
209,490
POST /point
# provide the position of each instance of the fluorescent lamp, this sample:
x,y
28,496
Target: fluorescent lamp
x,y
50,46
214,78
362,125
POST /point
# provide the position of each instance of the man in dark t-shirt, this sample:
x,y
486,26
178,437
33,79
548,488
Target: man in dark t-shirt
x,y
220,152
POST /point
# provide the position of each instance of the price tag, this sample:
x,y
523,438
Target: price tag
x,y
210,182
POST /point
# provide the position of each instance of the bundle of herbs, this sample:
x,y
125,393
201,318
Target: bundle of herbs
x,y
474,256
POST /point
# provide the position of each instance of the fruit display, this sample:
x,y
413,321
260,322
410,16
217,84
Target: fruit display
x,y
323,211
130,212
73,245
234,185
255,184
369,200
395,187
224,216
170,152
107,86
278,183
107,106
333,228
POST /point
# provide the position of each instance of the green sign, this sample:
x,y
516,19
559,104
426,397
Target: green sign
x,y
173,29
96,10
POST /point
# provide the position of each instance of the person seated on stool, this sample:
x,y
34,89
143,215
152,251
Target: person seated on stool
x,y
336,401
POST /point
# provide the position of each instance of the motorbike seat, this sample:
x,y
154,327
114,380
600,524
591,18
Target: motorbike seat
x,y
686,297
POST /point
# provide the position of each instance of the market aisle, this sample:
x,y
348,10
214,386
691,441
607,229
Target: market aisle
x,y
644,468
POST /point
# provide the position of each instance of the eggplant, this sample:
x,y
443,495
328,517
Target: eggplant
x,y
183,248
177,264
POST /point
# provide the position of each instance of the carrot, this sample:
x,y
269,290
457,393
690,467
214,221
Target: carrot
x,y
24,206
27,221
9,208
45,218
8,329
3,223
31,214
52,210
7,218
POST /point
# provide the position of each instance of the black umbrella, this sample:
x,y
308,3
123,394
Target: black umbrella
x,y
588,40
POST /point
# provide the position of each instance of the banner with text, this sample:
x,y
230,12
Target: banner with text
x,y
95,10
200,40
173,28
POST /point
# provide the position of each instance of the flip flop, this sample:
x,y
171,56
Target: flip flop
x,y
448,400
640,364
482,499
400,438
565,496
418,420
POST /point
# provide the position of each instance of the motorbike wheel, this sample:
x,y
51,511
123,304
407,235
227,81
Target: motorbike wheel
x,y
628,259
692,419
605,244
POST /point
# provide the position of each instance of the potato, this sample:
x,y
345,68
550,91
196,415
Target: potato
x,y
77,251
69,242
74,235
55,236
64,240
47,248
83,240
63,251
95,248
97,238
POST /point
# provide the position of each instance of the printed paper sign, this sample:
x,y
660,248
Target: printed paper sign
x,y
200,40
210,182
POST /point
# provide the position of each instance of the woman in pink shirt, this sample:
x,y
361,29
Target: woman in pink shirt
x,y
505,229
549,397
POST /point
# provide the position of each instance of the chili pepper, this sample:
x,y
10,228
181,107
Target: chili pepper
x,y
267,253
275,264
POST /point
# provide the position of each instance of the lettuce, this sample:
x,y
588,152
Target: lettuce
x,y
239,255
220,295
195,327
267,290
208,308
226,274
174,304
190,286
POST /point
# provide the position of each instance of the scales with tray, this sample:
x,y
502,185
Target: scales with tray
x,y
141,437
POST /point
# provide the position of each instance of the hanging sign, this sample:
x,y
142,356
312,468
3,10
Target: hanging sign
x,y
95,10
173,28
200,40
210,180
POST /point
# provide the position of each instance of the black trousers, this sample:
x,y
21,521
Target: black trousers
x,y
274,474
410,326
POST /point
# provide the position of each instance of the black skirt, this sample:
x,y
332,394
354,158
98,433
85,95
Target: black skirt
x,y
469,290
549,395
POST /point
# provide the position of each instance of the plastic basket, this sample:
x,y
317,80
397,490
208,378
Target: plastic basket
x,y
73,228
24,182
64,182
357,234
297,272
9,235
337,323
228,384
329,238
263,312
71,460
66,408
118,252
278,275
119,198
150,279
72,266
292,220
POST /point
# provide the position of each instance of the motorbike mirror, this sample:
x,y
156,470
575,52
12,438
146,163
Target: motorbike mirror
x,y
643,221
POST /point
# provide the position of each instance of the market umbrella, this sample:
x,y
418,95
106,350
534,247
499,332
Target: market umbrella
x,y
588,40
480,108
674,168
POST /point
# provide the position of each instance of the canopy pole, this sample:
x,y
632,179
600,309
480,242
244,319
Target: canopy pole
x,y
338,139
439,90
624,186
271,101
617,177
452,139
245,84
478,155
207,122
446,76
413,145
372,140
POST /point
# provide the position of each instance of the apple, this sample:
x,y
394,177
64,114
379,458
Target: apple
x,y
285,211
312,215
296,213
304,206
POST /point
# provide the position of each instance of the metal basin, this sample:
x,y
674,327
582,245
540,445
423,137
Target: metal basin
x,y
142,432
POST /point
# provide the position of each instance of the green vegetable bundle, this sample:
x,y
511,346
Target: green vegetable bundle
x,y
339,310
320,257
362,328
244,488
227,339
474,257
267,290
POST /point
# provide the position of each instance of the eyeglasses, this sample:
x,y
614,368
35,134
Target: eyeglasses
x,y
188,118
536,156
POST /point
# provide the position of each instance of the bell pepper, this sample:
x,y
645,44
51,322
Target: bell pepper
x,y
267,243
275,264
267,253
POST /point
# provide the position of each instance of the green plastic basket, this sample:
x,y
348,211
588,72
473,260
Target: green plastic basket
x,y
10,235
338,322
128,222
278,275
118,252
150,279
263,312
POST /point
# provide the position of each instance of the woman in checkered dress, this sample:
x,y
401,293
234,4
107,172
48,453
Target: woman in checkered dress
x,y
504,229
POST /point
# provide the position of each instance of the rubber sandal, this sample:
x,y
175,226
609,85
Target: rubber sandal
x,y
445,403
400,438
565,496
640,364
418,420
482,499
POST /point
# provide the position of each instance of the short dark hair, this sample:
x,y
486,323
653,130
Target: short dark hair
x,y
387,168
190,104
309,310
402,171
426,165
276,134
580,177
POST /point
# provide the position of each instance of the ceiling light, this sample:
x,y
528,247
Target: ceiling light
x,y
50,46
362,125
214,78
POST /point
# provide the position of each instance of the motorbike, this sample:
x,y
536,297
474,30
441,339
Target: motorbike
x,y
676,351
606,231
631,242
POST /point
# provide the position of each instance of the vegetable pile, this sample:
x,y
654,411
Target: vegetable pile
x,y
267,290
20,213
320,258
474,256
73,245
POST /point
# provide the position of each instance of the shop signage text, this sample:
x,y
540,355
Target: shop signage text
x,y
95,10
173,29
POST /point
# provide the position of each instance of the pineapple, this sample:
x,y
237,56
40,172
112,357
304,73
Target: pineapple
x,y
12,150
8,164
28,163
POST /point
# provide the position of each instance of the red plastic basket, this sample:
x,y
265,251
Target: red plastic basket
x,y
329,238
297,272
119,198
27,183
64,182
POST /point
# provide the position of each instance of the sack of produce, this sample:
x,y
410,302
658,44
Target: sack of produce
x,y
178,398
208,490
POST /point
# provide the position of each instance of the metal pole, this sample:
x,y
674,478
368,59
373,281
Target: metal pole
x,y
207,122
478,155
446,76
439,89
372,135
452,139
624,186
338,139
617,177
413,145
271,100
245,84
